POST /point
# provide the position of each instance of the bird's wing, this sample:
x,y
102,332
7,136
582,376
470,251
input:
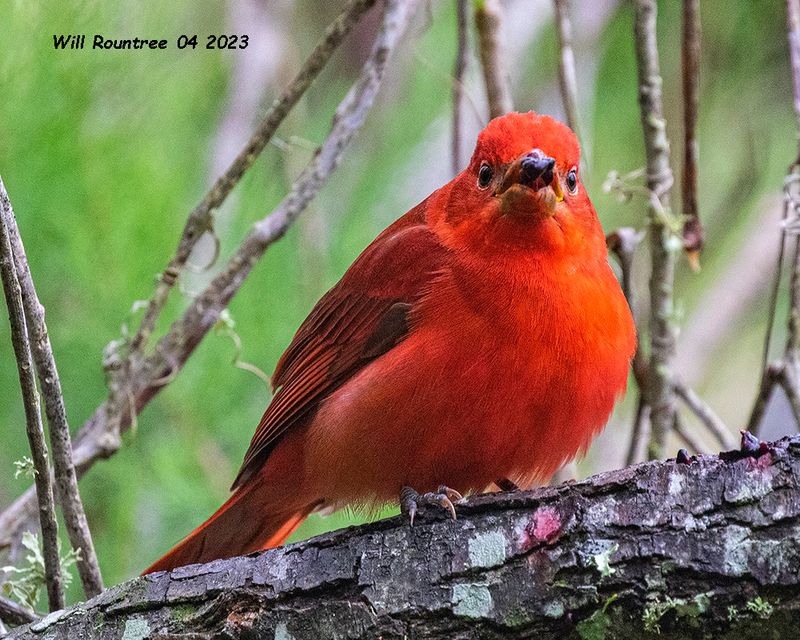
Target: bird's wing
x,y
365,315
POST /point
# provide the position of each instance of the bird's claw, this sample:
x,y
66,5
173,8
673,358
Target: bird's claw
x,y
444,497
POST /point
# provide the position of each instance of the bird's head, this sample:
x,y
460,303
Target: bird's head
x,y
521,190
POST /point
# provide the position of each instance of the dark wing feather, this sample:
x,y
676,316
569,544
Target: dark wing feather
x,y
365,315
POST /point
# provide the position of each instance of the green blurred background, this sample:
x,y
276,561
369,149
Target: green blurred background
x,y
105,153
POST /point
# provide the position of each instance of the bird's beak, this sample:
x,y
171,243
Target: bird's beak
x,y
532,171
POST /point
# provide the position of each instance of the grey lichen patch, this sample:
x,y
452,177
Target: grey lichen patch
x,y
553,609
487,549
677,484
136,629
49,619
749,487
282,632
471,600
736,550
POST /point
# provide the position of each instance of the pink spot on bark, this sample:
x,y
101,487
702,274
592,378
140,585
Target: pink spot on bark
x,y
546,524
763,461
544,527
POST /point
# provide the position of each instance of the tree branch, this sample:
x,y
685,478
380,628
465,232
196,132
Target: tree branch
x,y
693,234
566,64
707,549
200,219
33,418
706,415
640,433
793,34
14,613
488,19
100,435
622,243
459,69
66,481
686,435
786,371
663,245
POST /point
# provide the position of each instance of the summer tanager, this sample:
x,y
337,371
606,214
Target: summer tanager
x,y
480,338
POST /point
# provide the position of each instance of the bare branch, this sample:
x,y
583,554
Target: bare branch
x,y
786,371
793,31
33,420
686,435
790,384
693,234
15,614
640,434
488,19
66,481
458,81
99,436
622,243
769,376
566,64
200,219
790,378
663,244
706,415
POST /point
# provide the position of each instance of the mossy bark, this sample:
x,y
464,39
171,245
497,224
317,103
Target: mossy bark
x,y
708,549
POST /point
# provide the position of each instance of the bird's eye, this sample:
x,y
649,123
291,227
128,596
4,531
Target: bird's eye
x,y
485,176
572,181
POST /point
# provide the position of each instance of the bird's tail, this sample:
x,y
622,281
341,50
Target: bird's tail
x,y
250,520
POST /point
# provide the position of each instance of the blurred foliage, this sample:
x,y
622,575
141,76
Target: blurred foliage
x,y
104,154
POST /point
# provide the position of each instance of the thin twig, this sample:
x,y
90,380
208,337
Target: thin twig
x,y
791,386
99,436
786,371
459,68
693,233
640,433
793,34
488,20
66,481
200,219
790,378
663,331
768,373
769,377
622,243
14,613
686,435
706,415
33,421
567,78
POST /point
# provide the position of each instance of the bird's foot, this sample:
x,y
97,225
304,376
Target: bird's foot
x,y
444,497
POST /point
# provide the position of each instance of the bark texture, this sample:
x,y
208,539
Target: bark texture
x,y
707,549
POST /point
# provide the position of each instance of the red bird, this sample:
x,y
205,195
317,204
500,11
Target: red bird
x,y
482,337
